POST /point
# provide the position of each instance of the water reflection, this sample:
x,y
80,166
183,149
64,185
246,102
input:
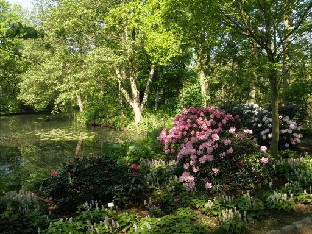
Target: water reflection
x,y
37,141
10,160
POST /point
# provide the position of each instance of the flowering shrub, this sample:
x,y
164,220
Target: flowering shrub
x,y
259,121
246,112
95,178
261,124
54,173
210,152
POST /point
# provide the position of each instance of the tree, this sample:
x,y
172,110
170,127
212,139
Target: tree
x,y
128,39
263,22
139,41
197,23
61,67
13,34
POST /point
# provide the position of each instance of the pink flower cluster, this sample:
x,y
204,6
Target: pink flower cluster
x,y
134,168
196,140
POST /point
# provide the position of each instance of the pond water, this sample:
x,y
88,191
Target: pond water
x,y
39,141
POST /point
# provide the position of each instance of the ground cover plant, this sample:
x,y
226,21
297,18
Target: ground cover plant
x,y
206,174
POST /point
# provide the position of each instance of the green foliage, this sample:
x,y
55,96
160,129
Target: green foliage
x,y
138,151
11,62
191,97
305,198
19,30
280,202
21,213
184,221
150,122
253,206
95,178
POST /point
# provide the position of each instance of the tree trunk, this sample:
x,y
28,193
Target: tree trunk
x,y
79,102
204,88
137,112
147,88
79,143
133,98
204,74
252,92
286,62
275,118
252,85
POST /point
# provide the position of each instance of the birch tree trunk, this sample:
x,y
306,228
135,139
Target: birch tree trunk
x,y
204,87
80,103
133,96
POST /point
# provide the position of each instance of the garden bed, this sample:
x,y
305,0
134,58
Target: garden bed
x,y
215,179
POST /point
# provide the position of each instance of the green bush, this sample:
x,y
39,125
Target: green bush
x,y
95,178
92,219
184,221
21,212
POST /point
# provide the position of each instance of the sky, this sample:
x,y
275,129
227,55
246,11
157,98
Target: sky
x,y
24,3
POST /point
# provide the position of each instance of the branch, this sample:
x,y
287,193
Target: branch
x,y
120,77
299,23
147,87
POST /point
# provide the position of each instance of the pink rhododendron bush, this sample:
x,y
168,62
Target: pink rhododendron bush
x,y
212,153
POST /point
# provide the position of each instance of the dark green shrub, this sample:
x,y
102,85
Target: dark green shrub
x,y
95,178
295,112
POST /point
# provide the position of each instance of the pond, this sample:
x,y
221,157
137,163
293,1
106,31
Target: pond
x,y
35,142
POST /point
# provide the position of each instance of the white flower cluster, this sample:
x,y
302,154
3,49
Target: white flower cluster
x,y
300,174
262,127
249,108
154,166
26,200
230,214
259,120
279,198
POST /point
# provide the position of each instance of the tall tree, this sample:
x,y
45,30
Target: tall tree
x,y
198,25
263,22
140,41
13,34
128,38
